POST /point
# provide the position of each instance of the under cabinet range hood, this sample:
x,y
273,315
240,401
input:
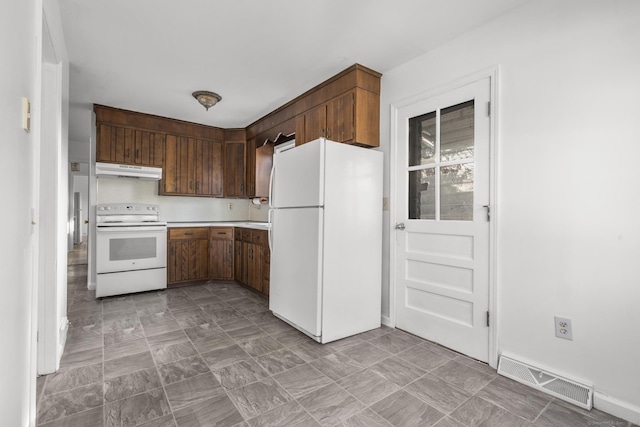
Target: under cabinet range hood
x,y
128,171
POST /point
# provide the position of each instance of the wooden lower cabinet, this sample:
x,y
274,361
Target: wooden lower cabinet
x,y
237,257
251,246
222,255
219,253
187,254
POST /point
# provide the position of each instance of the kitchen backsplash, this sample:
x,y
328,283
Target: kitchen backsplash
x,y
258,212
176,208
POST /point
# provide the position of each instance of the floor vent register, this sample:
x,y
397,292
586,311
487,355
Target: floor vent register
x,y
568,390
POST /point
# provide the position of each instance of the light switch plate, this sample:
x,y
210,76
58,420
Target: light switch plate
x,y
26,115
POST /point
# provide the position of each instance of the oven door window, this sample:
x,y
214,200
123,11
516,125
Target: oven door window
x,y
123,249
132,248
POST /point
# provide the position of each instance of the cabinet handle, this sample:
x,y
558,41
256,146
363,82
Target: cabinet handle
x,y
137,153
241,188
189,233
198,186
127,153
190,185
328,133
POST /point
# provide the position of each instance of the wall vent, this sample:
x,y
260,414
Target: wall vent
x,y
568,390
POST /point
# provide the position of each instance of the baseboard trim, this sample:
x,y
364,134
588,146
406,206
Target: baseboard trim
x,y
613,406
91,286
385,320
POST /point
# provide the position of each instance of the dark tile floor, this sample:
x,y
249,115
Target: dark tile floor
x,y
213,355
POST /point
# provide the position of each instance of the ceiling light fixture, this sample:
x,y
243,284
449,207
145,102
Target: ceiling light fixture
x,y
206,98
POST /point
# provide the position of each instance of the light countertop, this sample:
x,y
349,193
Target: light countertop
x,y
245,224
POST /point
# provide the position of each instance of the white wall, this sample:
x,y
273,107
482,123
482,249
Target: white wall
x,y
17,48
258,212
81,185
567,208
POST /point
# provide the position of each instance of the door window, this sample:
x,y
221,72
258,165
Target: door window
x,y
440,164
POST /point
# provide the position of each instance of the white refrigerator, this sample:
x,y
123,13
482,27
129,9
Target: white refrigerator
x,y
326,239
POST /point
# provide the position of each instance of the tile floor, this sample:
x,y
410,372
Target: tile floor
x,y
213,355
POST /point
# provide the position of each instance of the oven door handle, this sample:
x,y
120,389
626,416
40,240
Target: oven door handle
x,y
134,228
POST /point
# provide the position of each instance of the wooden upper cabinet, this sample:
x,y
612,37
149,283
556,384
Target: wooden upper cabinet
x,y
250,177
351,118
344,108
128,146
192,167
235,166
311,125
115,144
149,148
208,162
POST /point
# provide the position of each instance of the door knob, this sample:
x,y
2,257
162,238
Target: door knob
x,y
400,226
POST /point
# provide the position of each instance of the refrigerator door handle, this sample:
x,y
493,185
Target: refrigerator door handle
x,y
269,232
271,176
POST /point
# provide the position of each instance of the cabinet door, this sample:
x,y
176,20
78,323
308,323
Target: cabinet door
x,y
105,141
340,118
255,267
179,166
198,259
262,165
237,260
115,144
246,263
234,169
188,255
266,267
250,178
208,174
222,259
222,255
149,148
311,125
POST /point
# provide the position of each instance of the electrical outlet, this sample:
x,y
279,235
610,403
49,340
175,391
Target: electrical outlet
x,y
564,329
385,203
230,206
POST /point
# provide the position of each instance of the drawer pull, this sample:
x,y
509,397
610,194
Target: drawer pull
x,y
221,232
189,233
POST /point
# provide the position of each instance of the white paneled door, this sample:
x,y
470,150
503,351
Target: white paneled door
x,y
442,212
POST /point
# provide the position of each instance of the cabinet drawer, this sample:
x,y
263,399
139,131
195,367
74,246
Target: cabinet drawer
x,y
188,233
237,233
246,234
222,233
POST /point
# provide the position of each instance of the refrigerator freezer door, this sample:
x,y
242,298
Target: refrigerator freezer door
x,y
298,176
296,272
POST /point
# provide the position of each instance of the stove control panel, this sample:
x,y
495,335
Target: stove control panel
x,y
127,209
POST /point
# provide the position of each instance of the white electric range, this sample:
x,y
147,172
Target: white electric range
x,y
131,249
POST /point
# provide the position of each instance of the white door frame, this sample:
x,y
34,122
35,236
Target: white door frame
x,y
52,206
493,74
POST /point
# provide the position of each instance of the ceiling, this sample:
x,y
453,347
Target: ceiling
x,y
150,55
